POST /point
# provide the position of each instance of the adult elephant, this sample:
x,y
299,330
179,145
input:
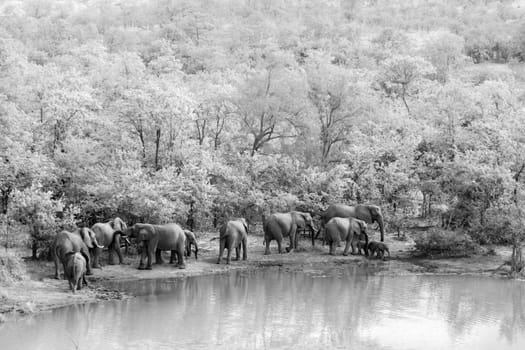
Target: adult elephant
x,y
81,241
232,235
109,234
349,230
280,225
367,213
156,238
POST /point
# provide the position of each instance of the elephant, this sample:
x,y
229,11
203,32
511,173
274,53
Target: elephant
x,y
367,213
190,239
349,230
75,270
362,245
109,234
232,235
82,240
379,248
156,238
280,225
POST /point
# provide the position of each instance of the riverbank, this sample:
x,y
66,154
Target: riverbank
x,y
38,291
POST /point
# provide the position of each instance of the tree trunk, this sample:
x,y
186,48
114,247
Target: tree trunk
x,y
34,249
157,146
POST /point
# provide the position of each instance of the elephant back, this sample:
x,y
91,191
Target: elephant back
x,y
103,233
170,236
66,242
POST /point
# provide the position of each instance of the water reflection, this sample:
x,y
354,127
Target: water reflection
x,y
278,310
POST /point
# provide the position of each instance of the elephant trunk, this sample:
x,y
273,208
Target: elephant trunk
x,y
366,244
379,220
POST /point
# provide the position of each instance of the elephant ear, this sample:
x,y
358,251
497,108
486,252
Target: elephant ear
x,y
86,236
362,225
245,224
118,225
144,233
374,210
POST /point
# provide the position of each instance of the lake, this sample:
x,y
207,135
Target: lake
x,y
274,309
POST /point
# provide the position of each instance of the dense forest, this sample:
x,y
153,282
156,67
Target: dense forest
x,y
195,111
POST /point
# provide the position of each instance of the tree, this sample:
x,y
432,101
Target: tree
x,y
155,112
399,76
213,94
270,104
35,208
337,99
445,51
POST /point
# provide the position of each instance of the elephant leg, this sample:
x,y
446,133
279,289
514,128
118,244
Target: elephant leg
x,y
229,255
353,244
292,243
172,256
222,244
267,242
158,257
244,253
347,248
180,258
72,286
238,253
280,246
88,263
79,283
84,280
57,276
332,248
116,247
143,253
187,250
150,258
95,259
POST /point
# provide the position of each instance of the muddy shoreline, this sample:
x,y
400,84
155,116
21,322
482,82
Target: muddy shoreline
x,y
41,292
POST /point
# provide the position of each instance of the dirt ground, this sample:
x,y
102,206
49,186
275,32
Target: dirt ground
x,y
39,291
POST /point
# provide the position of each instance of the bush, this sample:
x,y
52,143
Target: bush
x,y
11,269
445,244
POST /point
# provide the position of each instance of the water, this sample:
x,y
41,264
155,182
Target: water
x,y
270,309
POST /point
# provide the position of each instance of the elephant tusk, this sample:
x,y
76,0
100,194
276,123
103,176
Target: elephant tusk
x,y
99,246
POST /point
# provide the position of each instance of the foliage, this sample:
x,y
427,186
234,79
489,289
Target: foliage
x,y
38,210
439,243
200,111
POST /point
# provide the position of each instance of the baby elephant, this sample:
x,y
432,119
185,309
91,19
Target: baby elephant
x,y
379,248
75,270
191,239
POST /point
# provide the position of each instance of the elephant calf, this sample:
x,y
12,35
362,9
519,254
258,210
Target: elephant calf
x,y
75,270
190,240
233,234
349,230
378,248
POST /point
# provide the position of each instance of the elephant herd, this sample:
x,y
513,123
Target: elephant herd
x,y
80,250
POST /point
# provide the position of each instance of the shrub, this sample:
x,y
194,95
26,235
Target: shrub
x,y
43,215
11,269
445,244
